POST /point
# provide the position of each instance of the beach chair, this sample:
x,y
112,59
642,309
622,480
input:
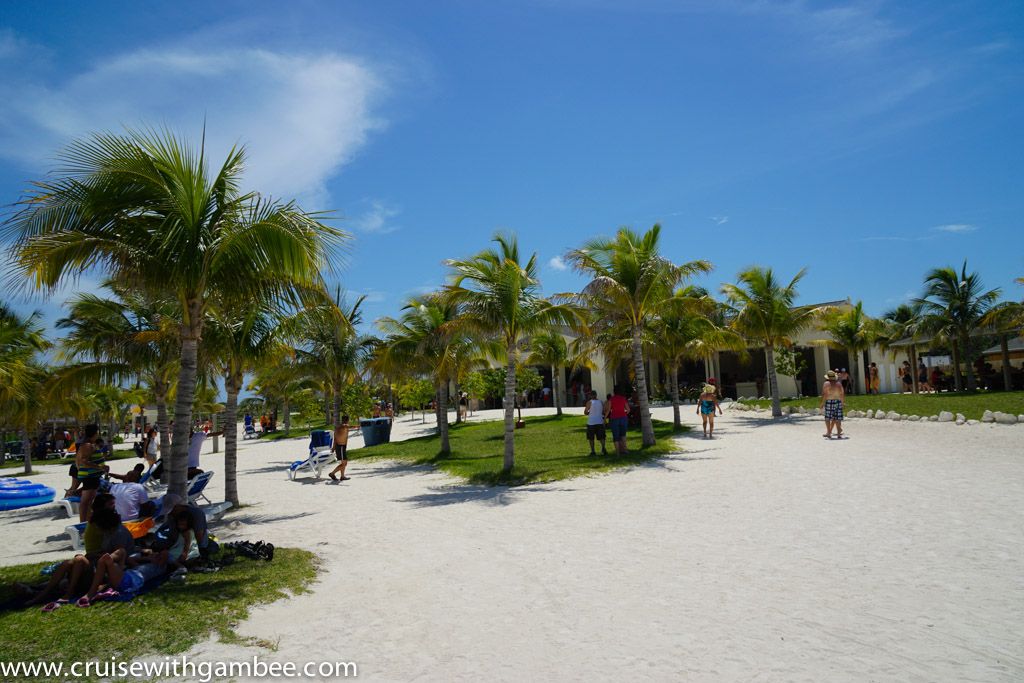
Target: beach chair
x,y
195,489
76,532
249,432
215,511
69,505
320,455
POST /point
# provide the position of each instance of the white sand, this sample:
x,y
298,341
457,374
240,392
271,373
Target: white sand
x,y
767,554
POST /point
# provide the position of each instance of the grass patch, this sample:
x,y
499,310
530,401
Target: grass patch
x,y
13,461
166,621
293,434
549,448
972,405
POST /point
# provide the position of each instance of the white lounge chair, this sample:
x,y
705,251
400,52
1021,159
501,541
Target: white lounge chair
x,y
314,464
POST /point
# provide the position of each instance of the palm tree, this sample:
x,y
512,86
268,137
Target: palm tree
x,y
325,336
686,328
551,349
239,337
499,297
853,330
129,336
1007,319
905,322
955,304
22,378
629,280
426,339
281,378
763,311
144,207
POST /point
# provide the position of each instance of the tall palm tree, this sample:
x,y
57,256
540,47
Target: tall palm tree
x,y
129,336
499,296
956,303
426,339
1006,318
239,338
551,349
853,330
325,336
629,280
685,327
22,377
905,322
763,311
280,379
145,208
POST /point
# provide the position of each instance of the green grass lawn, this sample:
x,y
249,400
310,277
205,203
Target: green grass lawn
x,y
15,461
971,405
549,448
165,621
293,434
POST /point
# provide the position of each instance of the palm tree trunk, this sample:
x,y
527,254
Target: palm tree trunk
x,y
646,426
957,380
26,451
913,368
972,383
336,405
162,421
773,381
554,388
442,415
287,417
458,406
190,333
1004,349
852,355
673,384
510,409
232,385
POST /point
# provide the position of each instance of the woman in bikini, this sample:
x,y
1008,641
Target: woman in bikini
x,y
706,409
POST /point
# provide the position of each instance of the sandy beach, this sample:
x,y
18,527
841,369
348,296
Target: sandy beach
x,y
766,554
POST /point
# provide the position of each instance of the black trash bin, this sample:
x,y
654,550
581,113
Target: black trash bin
x,y
376,430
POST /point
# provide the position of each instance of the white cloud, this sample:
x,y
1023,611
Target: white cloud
x,y
558,263
957,228
373,296
719,220
376,219
301,117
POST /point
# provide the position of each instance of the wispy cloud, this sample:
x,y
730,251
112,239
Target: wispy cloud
x,y
558,263
373,296
957,228
376,219
719,220
302,116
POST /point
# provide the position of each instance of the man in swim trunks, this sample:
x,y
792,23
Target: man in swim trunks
x,y
833,399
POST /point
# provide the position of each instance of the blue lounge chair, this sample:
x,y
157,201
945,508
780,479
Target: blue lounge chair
x,y
320,455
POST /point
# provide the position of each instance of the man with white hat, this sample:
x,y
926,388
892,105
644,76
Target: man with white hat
x,y
833,400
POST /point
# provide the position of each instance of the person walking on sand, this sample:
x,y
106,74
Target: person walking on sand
x,y
594,411
341,449
618,418
833,399
706,409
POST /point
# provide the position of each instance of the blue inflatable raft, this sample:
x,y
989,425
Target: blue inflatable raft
x,y
21,493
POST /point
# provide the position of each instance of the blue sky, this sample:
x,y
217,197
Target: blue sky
x,y
865,141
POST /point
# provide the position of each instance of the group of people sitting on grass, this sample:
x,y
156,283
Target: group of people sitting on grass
x,y
122,556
